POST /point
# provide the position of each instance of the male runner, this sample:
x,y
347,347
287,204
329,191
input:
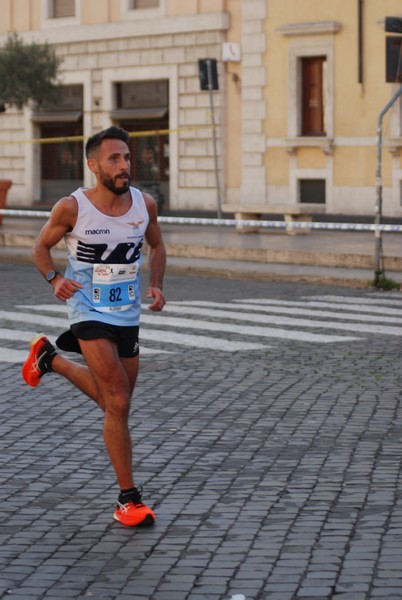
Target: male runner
x,y
104,227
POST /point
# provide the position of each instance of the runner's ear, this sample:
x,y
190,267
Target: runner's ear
x,y
92,165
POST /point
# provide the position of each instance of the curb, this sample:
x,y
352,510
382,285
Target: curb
x,y
252,255
244,272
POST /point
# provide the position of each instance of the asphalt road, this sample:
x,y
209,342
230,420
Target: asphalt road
x,y
267,435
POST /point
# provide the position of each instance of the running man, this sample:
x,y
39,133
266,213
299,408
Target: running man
x,y
104,228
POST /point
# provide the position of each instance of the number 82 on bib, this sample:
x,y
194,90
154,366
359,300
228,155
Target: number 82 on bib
x,y
113,286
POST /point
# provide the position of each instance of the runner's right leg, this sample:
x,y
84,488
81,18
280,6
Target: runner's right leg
x,y
80,376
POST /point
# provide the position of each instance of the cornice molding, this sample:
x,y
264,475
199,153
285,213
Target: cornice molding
x,y
124,29
310,28
325,144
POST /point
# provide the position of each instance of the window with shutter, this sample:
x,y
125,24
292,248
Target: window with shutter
x,y
140,4
312,95
63,8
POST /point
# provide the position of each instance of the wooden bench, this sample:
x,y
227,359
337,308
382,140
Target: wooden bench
x,y
291,214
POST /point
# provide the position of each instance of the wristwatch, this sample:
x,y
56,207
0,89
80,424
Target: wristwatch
x,y
51,275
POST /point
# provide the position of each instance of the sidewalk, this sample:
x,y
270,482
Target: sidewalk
x,y
321,256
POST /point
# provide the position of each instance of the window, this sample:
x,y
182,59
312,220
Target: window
x,y
312,95
140,4
312,191
393,59
311,83
62,8
142,94
143,106
59,13
61,162
71,99
142,9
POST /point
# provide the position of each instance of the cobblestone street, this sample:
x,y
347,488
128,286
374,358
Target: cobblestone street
x,y
274,469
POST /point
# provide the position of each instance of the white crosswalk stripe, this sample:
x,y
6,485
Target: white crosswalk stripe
x,y
377,298
246,330
239,325
33,319
342,304
315,323
291,307
9,355
196,341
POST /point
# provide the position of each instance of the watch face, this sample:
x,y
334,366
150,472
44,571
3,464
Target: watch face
x,y
51,275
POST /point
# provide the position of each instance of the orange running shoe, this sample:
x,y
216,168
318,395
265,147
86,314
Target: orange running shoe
x,y
134,512
39,360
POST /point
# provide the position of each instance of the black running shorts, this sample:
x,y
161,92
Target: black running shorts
x,y
126,338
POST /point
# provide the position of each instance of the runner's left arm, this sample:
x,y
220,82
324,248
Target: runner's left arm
x,y
156,256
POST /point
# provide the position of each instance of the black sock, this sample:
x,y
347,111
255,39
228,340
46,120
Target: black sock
x,y
130,495
46,358
49,359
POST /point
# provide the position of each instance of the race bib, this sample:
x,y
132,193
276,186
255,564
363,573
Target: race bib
x,y
113,286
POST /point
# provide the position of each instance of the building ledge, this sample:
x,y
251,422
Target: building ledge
x,y
160,25
310,28
393,145
325,144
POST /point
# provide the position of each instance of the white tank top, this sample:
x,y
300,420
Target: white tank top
x,y
104,255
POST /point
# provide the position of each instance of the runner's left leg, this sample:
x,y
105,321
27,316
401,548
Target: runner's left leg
x,y
115,379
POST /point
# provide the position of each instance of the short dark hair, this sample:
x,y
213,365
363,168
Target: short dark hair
x,y
111,133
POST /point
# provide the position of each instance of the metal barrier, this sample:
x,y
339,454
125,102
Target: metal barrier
x,y
371,227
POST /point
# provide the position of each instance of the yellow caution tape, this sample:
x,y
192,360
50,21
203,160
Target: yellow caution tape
x,y
81,138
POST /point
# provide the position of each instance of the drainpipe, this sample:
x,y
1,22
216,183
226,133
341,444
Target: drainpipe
x,y
360,40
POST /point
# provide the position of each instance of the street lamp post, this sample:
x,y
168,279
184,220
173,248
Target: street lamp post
x,y
393,49
209,81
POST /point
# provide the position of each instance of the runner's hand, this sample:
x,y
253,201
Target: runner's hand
x,y
65,288
159,298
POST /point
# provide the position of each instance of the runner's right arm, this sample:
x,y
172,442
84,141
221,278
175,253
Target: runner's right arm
x,y
62,219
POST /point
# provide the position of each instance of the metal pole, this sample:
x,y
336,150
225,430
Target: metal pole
x,y
378,213
211,101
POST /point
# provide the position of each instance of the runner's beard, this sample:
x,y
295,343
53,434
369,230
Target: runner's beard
x,y
110,183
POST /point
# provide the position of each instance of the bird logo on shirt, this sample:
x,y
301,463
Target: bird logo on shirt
x,y
136,226
124,253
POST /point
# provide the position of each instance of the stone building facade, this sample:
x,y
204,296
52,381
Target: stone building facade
x,y
326,86
133,64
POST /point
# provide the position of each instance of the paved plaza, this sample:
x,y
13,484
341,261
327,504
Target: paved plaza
x,y
267,436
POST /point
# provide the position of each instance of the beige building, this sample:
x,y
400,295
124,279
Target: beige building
x,y
325,87
133,63
301,85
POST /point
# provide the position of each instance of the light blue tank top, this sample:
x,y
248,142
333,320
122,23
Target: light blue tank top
x,y
104,255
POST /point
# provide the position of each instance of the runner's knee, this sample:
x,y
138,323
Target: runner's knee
x,y
117,405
